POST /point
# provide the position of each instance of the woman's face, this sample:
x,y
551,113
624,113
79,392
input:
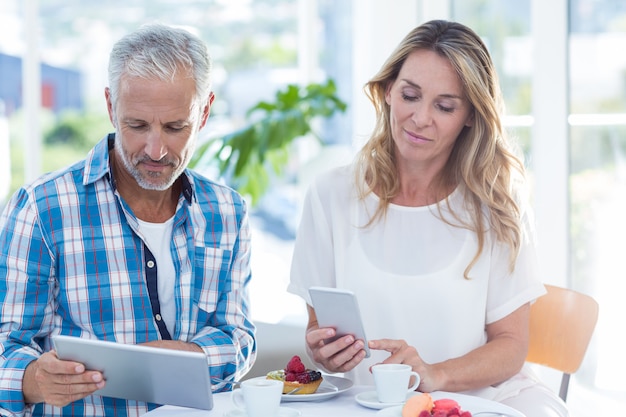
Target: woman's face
x,y
428,110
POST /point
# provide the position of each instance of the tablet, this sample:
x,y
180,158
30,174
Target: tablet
x,y
338,308
143,373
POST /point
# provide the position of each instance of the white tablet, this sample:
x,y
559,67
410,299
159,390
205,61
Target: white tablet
x,y
143,373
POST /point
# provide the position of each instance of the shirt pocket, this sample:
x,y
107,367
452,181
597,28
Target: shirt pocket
x,y
212,277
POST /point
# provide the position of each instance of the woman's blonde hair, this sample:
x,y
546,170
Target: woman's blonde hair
x,y
481,160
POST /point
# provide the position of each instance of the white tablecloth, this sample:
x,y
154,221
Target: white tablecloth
x,y
342,405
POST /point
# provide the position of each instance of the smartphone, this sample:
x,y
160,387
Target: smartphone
x,y
338,308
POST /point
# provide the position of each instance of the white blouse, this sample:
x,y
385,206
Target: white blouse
x,y
407,271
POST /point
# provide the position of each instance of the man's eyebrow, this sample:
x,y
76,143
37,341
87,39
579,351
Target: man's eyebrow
x,y
412,84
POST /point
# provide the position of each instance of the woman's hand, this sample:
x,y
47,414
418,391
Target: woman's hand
x,y
497,360
340,355
401,352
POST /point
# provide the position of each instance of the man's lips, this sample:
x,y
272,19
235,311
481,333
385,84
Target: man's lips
x,y
154,166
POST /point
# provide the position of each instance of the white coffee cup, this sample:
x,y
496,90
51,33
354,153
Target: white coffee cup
x,y
392,380
258,397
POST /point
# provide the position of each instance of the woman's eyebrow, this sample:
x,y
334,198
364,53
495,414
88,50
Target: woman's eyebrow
x,y
417,86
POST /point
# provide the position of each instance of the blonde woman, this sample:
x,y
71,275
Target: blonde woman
x,y
428,227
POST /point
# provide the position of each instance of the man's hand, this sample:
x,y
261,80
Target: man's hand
x,y
57,382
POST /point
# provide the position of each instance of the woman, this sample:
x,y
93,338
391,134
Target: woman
x,y
429,229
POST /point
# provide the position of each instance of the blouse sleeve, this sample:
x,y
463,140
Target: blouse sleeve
x,y
509,290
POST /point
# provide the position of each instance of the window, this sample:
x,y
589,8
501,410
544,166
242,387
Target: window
x,y
597,142
597,121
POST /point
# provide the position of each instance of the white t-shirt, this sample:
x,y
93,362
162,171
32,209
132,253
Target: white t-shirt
x,y
158,238
407,271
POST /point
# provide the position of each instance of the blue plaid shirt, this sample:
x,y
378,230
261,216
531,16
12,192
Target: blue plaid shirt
x,y
72,262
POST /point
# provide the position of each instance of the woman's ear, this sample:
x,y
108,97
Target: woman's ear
x,y
388,94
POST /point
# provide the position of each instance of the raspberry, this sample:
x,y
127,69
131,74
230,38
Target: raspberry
x,y
290,376
295,365
303,378
424,413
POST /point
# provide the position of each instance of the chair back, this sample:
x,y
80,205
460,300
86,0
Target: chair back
x,y
561,325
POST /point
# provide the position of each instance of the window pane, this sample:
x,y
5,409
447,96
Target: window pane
x,y
505,28
597,177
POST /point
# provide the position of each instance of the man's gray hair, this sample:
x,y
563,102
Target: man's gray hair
x,y
160,51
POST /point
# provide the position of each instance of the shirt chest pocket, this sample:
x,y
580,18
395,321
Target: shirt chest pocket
x,y
212,276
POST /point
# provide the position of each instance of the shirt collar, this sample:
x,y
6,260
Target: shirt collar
x,y
97,166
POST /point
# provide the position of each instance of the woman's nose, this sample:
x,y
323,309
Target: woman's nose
x,y
422,115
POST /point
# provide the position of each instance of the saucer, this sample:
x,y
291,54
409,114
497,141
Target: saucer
x,y
369,399
282,412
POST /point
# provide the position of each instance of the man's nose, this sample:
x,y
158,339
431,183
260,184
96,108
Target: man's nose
x,y
155,146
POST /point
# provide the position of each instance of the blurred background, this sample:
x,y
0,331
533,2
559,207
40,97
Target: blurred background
x,y
562,67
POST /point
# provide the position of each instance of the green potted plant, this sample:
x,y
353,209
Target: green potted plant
x,y
248,155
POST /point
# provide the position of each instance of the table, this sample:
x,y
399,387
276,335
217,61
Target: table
x,y
342,405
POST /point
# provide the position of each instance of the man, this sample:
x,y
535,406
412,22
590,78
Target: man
x,y
127,245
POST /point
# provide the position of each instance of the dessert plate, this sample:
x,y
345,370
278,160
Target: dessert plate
x,y
282,412
330,386
369,399
467,402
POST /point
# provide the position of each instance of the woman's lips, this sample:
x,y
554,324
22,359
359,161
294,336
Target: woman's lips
x,y
416,138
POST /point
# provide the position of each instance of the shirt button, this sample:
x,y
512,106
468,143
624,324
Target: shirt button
x,y
150,264
158,317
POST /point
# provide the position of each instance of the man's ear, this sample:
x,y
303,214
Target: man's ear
x,y
107,96
206,110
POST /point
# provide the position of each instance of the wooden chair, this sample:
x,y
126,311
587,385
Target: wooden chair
x,y
561,325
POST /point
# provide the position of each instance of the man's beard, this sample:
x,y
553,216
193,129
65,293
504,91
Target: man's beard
x,y
133,170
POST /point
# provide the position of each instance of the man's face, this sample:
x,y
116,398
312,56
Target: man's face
x,y
157,123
